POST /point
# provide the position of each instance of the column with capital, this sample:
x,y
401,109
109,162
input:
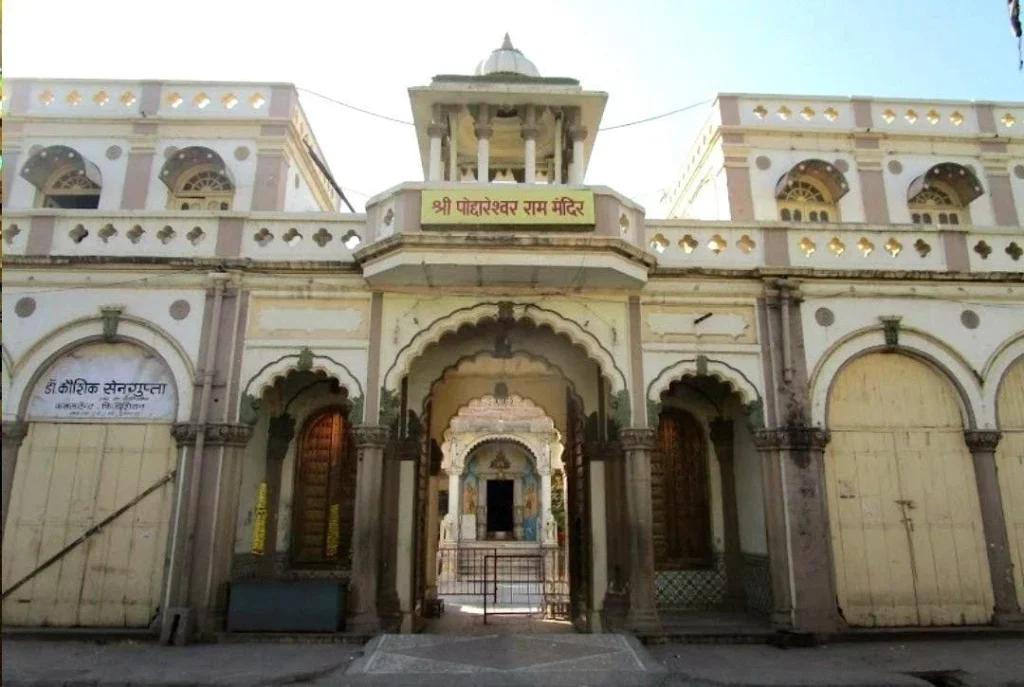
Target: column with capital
x,y
437,130
809,588
367,527
14,432
637,446
982,444
529,131
578,134
483,130
722,439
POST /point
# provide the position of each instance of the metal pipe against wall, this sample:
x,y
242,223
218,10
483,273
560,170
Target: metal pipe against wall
x,y
787,354
772,358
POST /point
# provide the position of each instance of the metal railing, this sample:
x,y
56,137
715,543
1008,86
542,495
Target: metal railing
x,y
508,583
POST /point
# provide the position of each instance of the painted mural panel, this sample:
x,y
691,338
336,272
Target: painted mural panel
x,y
907,536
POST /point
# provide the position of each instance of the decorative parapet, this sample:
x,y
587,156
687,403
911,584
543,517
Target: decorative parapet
x,y
661,245
833,248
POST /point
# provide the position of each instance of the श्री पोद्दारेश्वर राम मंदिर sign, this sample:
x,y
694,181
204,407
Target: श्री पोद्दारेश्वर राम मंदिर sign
x,y
507,206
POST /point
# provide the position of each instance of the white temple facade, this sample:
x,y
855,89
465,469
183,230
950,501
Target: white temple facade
x,y
798,398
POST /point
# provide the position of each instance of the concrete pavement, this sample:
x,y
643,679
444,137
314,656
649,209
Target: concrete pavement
x,y
497,659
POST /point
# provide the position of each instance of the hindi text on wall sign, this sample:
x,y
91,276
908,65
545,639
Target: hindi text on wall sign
x,y
540,206
102,381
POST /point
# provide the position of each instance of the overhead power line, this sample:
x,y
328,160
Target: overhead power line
x,y
408,123
353,107
651,119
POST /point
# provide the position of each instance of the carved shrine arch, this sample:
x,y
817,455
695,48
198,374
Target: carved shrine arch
x,y
489,419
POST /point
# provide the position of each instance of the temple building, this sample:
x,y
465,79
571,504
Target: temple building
x,y
799,399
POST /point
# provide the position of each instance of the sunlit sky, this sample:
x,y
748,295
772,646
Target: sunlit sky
x,y
649,56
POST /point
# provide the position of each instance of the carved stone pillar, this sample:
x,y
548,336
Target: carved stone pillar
x,y
578,133
529,131
982,444
14,432
638,445
799,453
436,131
607,457
371,441
205,580
483,131
722,438
775,530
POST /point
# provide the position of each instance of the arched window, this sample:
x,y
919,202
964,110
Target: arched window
x,y
198,179
324,500
204,189
680,493
942,195
63,179
805,201
810,192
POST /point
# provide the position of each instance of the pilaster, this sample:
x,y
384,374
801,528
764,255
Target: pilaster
x,y
637,445
724,443
982,444
13,433
371,441
799,453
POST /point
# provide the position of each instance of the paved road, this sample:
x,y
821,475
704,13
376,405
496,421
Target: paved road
x,y
502,659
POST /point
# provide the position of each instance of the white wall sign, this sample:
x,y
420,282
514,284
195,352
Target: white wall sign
x,y
105,382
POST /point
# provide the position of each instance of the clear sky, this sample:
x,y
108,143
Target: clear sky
x,y
650,56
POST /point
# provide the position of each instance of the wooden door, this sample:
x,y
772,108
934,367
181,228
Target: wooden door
x,y
680,505
1010,465
71,476
906,527
324,493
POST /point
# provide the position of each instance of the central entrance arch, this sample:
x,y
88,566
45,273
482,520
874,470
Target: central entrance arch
x,y
502,358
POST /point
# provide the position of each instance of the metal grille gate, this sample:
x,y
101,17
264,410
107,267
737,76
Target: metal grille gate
x,y
529,584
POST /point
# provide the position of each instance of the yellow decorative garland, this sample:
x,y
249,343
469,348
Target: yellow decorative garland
x,y
259,527
334,531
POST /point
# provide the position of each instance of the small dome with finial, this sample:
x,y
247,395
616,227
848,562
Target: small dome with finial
x,y
507,60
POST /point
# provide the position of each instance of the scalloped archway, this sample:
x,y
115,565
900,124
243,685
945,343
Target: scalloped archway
x,y
732,377
558,323
267,376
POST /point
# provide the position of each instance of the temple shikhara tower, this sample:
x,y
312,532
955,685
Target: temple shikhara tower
x,y
796,403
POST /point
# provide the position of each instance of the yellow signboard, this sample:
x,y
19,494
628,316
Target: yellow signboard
x,y
510,205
